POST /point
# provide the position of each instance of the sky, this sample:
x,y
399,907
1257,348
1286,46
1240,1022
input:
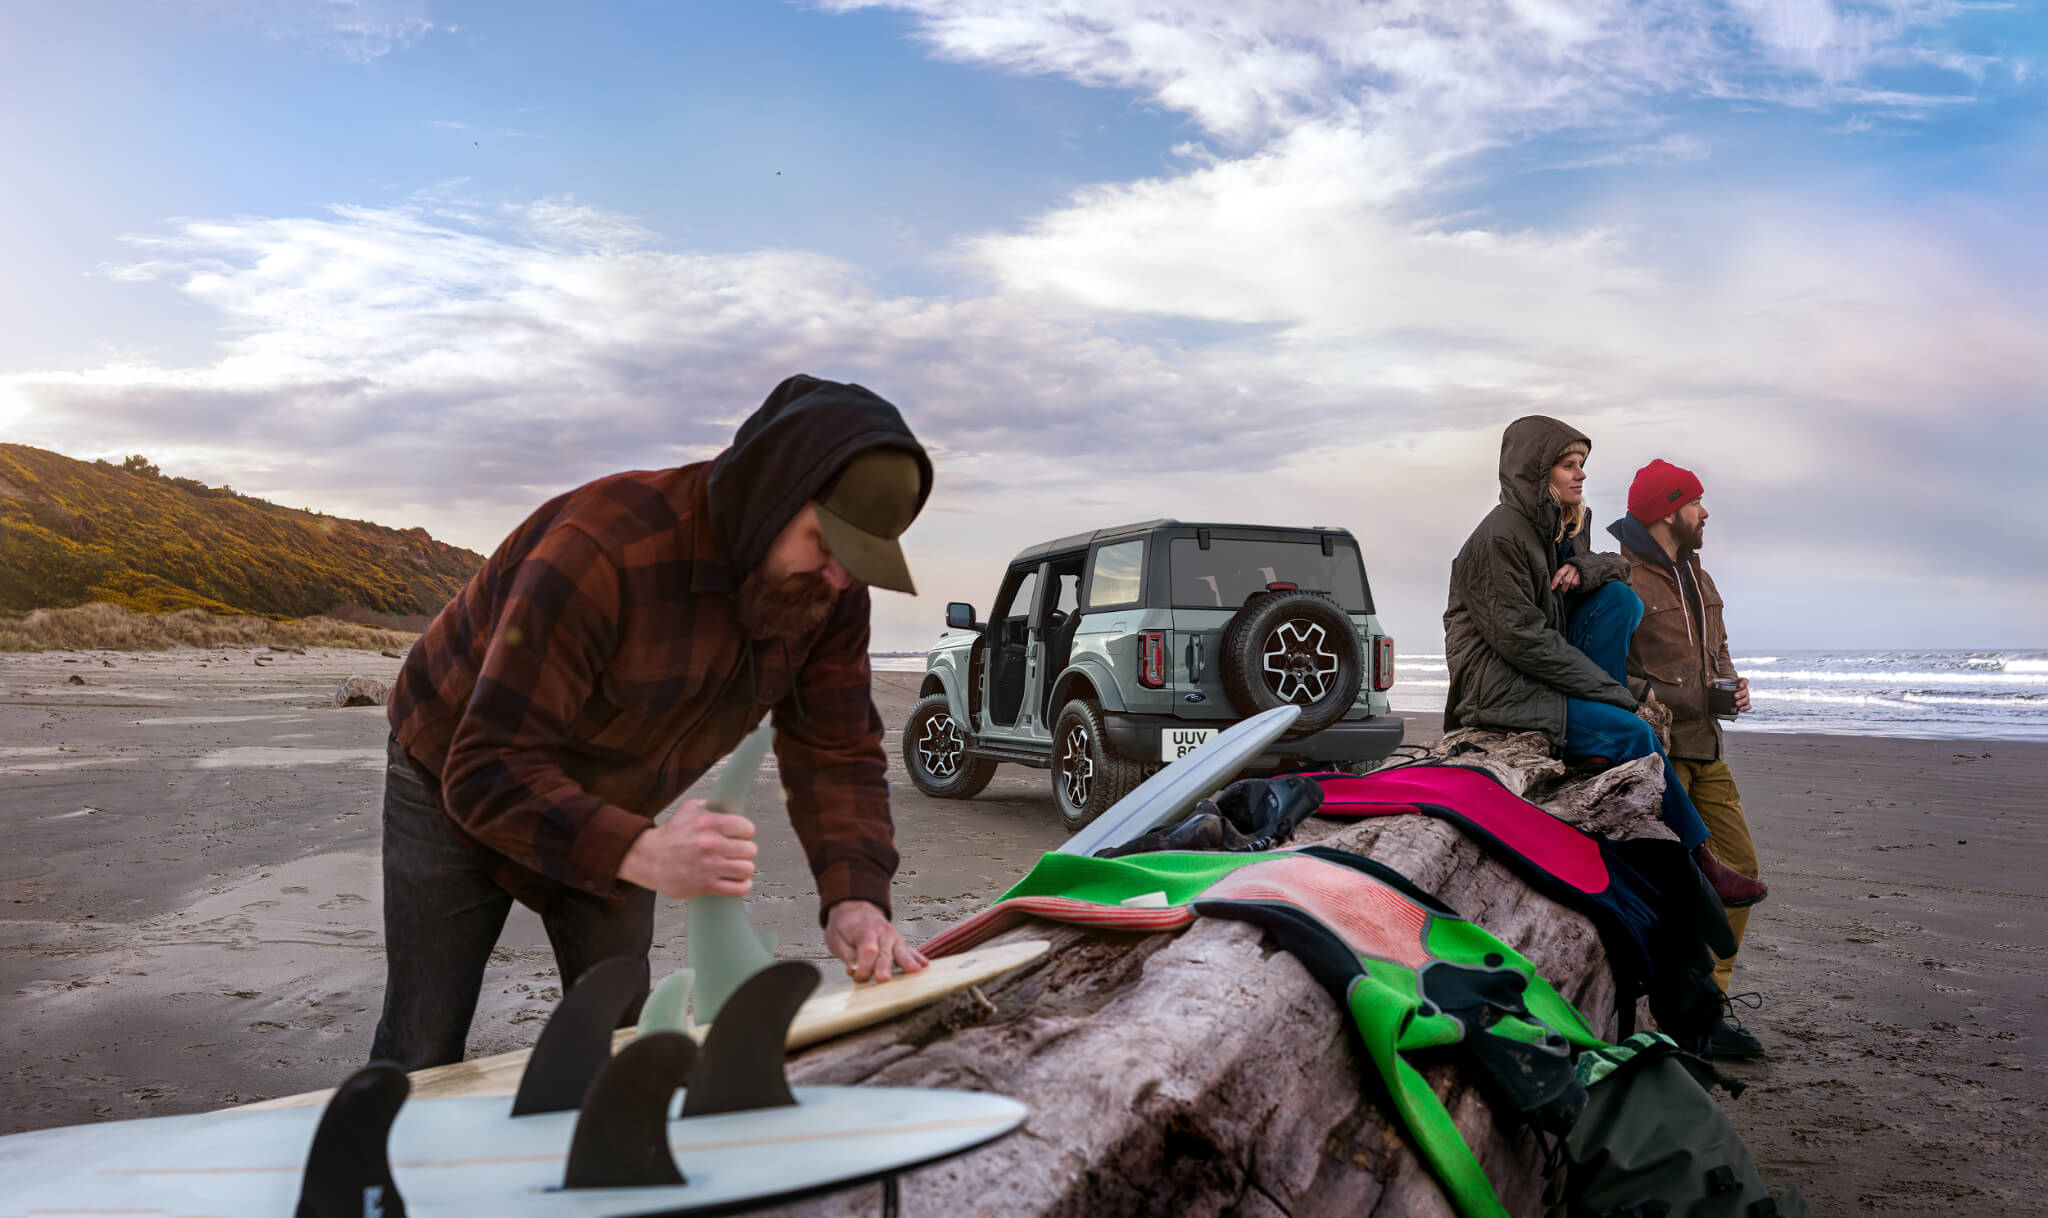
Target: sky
x,y
1292,262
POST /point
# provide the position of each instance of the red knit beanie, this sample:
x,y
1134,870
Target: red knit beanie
x,y
1660,489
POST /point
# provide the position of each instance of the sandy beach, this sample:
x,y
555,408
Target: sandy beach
x,y
193,918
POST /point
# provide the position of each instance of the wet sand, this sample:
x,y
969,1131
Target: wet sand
x,y
192,916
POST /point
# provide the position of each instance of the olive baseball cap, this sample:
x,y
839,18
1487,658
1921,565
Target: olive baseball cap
x,y
867,508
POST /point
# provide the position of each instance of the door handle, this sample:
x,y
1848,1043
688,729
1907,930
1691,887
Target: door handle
x,y
1193,657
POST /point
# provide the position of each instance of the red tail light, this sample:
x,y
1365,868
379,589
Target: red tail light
x,y
1152,659
1382,663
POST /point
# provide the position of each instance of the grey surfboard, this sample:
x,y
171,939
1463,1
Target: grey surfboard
x,y
1173,790
471,1157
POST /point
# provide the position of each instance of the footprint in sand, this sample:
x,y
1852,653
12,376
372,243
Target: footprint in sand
x,y
343,900
295,890
256,905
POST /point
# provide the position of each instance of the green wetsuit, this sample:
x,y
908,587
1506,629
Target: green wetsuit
x,y
1412,974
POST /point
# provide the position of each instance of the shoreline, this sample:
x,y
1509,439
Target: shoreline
x,y
194,916
906,662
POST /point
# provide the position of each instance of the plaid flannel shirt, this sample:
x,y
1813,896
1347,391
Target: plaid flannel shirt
x,y
594,669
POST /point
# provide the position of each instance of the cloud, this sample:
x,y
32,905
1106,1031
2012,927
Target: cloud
x,y
1343,223
1455,71
453,366
1319,316
360,30
1669,149
433,350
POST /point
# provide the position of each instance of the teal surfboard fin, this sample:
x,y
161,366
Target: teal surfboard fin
x,y
724,948
667,1008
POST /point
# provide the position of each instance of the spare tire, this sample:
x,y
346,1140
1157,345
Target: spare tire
x,y
1293,648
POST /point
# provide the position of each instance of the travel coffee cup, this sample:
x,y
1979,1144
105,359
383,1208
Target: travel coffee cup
x,y
1721,697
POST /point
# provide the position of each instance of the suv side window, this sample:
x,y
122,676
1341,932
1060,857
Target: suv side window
x,y
1066,590
1116,575
1012,616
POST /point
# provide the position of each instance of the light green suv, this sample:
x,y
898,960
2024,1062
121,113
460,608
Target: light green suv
x,y
1109,654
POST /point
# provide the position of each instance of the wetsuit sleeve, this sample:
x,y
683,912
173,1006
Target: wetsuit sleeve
x,y
1515,627
553,631
828,742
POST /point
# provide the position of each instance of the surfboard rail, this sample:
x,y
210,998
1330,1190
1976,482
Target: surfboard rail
x,y
830,1013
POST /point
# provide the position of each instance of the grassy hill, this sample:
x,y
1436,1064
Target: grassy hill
x,y
75,532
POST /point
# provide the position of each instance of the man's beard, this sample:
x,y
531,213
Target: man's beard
x,y
786,609
1688,536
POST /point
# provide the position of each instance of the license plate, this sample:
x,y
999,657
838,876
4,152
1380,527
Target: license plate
x,y
1177,742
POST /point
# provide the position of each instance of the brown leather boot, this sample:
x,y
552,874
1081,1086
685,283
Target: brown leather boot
x,y
1735,889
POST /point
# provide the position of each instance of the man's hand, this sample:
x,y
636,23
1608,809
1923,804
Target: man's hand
x,y
1566,579
860,934
693,853
1742,694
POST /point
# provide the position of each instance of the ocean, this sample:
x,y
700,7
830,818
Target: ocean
x,y
1961,695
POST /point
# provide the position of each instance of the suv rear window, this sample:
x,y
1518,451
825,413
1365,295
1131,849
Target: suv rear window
x,y
1221,576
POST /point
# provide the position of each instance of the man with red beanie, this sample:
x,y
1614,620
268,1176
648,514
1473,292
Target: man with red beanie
x,y
1680,649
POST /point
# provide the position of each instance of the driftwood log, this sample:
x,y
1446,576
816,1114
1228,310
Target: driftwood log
x,y
1205,1072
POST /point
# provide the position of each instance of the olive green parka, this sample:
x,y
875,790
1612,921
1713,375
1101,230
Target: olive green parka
x,y
1511,666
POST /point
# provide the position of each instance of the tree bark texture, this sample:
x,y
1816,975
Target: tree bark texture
x,y
1205,1071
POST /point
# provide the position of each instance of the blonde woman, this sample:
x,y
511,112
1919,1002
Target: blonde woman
x,y
1538,628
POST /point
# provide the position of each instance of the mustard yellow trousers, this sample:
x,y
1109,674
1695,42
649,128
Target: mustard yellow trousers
x,y
1712,787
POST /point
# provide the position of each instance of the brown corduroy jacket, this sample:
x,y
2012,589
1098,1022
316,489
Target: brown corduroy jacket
x,y
1675,652
594,669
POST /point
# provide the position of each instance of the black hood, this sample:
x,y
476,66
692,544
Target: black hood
x,y
1630,532
789,451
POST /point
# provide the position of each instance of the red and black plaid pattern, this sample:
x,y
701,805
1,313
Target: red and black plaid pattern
x,y
593,669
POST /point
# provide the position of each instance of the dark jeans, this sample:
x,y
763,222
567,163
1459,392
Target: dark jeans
x,y
443,915
1601,623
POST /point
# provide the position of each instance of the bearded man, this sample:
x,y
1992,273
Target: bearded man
x,y
625,637
1677,653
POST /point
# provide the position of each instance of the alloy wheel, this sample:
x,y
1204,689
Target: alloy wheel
x,y
1077,768
939,747
1299,662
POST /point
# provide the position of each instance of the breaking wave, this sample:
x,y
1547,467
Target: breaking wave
x,y
1982,694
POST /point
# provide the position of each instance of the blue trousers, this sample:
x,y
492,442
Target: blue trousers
x,y
1601,623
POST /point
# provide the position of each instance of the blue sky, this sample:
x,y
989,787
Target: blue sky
x,y
430,263
681,115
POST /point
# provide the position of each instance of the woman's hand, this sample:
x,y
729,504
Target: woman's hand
x,y
1566,579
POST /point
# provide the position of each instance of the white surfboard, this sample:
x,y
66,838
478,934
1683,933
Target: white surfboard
x,y
1175,789
470,1157
832,1011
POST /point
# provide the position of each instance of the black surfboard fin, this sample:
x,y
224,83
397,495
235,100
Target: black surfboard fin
x,y
621,1137
742,1064
348,1170
577,1041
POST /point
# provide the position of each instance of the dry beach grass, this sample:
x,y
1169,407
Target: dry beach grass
x,y
106,627
192,916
